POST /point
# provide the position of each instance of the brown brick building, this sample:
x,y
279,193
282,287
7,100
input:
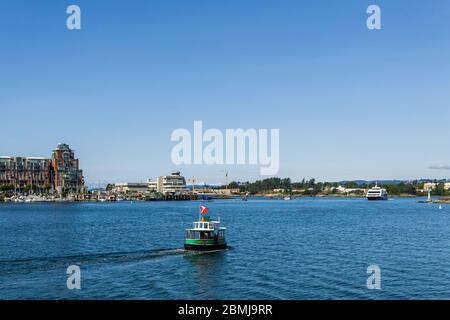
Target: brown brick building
x,y
20,172
60,174
67,176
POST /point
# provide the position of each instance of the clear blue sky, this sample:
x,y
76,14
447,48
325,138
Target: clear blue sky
x,y
350,103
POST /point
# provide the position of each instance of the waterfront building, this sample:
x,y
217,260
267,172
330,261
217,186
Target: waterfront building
x,y
130,187
61,173
227,192
341,189
67,176
22,172
170,185
152,186
174,184
429,186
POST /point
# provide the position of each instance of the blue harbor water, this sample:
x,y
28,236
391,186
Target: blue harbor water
x,y
308,248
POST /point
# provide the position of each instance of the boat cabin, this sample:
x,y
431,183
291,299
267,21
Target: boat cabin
x,y
206,230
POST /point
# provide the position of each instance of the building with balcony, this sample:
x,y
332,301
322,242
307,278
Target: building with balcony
x,y
171,185
22,172
61,173
152,185
67,176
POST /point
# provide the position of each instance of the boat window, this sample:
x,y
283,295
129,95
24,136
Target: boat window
x,y
192,234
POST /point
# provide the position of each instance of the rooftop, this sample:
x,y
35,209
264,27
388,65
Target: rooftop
x,y
63,146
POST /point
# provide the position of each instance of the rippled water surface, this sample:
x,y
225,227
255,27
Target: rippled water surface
x,y
299,249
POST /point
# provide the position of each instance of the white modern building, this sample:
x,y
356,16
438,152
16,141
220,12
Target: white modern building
x,y
173,184
152,185
429,186
432,186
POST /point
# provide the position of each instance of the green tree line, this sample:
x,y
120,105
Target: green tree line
x,y
311,187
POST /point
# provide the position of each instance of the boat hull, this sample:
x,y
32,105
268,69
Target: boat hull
x,y
376,198
194,247
204,245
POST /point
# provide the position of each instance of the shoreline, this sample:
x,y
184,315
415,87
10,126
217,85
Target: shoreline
x,y
28,200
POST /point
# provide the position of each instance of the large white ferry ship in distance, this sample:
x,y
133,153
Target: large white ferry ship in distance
x,y
377,193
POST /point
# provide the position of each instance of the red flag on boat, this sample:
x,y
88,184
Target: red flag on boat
x,y
203,209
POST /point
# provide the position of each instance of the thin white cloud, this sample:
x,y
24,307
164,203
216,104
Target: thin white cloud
x,y
442,167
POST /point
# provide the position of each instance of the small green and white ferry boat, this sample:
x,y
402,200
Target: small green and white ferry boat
x,y
206,234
